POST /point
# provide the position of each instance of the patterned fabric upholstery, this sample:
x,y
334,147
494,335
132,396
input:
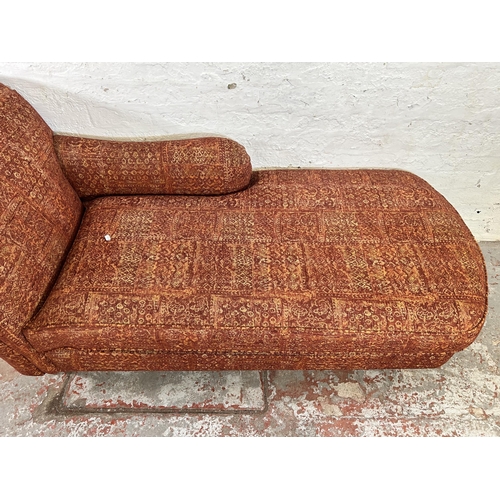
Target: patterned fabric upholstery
x,y
210,165
305,269
39,215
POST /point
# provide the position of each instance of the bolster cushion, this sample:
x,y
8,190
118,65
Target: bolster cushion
x,y
202,166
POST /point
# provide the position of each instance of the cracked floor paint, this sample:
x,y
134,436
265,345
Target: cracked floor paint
x,y
173,391
459,399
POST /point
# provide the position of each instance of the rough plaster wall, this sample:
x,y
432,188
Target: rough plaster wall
x,y
440,121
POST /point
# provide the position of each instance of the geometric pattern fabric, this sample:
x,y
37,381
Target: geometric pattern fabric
x,y
201,166
320,269
39,216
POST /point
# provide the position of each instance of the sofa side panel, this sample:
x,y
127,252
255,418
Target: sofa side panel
x,y
20,363
39,217
142,360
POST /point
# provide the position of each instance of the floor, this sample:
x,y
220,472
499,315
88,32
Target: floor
x,y
459,399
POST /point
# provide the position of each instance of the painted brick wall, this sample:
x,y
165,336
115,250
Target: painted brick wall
x,y
440,121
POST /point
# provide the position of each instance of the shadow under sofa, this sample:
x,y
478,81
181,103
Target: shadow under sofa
x,y
175,255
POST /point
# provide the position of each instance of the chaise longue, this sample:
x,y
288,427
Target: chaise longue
x,y
175,255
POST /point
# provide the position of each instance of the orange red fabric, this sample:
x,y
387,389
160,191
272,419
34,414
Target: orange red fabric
x,y
305,269
203,166
39,216
185,260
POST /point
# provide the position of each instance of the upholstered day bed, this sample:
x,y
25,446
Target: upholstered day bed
x,y
174,255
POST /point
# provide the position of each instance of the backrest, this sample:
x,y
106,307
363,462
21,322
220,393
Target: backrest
x,y
39,213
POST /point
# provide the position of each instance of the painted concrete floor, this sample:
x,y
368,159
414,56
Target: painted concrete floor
x,y
459,399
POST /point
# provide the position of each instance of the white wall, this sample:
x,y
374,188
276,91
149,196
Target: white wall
x,y
440,121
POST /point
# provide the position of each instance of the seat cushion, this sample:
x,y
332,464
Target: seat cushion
x,y
309,269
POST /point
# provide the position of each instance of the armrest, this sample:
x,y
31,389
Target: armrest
x,y
203,166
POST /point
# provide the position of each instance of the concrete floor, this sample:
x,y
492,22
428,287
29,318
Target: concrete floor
x,y
459,399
